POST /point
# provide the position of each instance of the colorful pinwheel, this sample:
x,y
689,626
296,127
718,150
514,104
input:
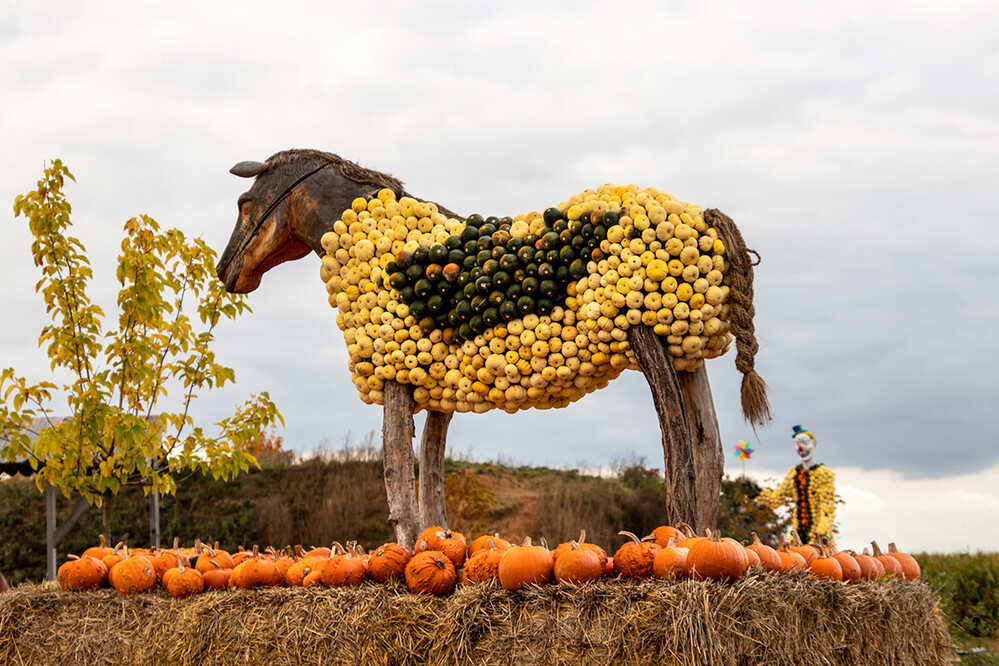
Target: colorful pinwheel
x,y
743,450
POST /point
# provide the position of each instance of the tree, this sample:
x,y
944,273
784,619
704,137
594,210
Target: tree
x,y
118,378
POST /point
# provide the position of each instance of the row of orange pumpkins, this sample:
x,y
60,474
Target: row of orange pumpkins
x,y
443,558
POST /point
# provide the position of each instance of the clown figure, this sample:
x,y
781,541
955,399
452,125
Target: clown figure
x,y
811,487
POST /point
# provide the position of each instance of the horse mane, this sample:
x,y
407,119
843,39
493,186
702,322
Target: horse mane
x,y
350,170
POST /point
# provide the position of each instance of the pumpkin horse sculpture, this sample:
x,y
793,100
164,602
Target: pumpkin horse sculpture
x,y
447,314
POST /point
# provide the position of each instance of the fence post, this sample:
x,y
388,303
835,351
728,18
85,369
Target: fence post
x,y
50,529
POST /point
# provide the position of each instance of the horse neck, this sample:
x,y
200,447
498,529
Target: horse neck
x,y
321,202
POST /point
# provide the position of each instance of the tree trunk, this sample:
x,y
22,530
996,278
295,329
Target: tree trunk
x,y
709,456
678,456
397,458
432,446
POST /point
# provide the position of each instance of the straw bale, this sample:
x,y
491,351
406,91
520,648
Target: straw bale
x,y
759,619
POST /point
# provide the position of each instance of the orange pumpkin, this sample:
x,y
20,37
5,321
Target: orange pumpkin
x,y
484,565
445,541
82,573
481,543
891,565
790,560
848,563
910,567
807,551
868,565
582,544
578,565
769,559
664,533
207,557
671,561
716,558
134,574
431,572
826,566
635,557
255,570
388,561
525,565
184,581
344,568
98,552
217,578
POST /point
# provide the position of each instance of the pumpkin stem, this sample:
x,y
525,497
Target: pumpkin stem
x,y
795,539
299,551
671,543
582,536
527,542
544,544
176,543
180,563
892,548
256,551
338,549
103,544
72,557
756,539
877,549
686,529
630,535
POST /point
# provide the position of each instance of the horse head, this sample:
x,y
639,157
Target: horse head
x,y
295,197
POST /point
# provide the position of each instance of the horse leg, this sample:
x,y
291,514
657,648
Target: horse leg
x,y
432,445
678,456
397,459
709,459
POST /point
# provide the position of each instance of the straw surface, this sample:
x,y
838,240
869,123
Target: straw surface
x,y
760,619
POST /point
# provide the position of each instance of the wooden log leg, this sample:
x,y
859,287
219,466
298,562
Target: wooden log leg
x,y
678,457
432,447
709,456
397,459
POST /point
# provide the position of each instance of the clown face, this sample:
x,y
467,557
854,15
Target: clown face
x,y
805,445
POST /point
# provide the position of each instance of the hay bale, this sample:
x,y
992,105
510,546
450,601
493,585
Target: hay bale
x,y
771,619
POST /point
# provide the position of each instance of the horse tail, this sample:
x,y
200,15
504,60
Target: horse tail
x,y
755,405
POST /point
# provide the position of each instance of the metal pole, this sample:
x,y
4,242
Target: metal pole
x,y
50,529
154,519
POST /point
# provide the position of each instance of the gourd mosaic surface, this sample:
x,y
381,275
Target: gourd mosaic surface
x,y
528,311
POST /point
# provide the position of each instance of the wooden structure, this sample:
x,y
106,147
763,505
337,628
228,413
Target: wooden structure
x,y
295,198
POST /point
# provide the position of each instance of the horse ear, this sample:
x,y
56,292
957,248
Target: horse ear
x,y
248,169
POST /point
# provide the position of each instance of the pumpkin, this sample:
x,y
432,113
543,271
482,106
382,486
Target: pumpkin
x,y
634,558
716,558
848,563
910,567
892,566
167,559
82,573
752,559
671,561
525,565
388,561
320,551
430,572
241,556
217,578
789,559
868,565
184,580
98,552
344,568
826,566
254,570
582,544
481,543
314,577
209,556
134,574
807,551
578,565
769,559
445,541
484,564
664,533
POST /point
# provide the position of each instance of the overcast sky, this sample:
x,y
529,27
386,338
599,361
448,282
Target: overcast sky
x,y
856,147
